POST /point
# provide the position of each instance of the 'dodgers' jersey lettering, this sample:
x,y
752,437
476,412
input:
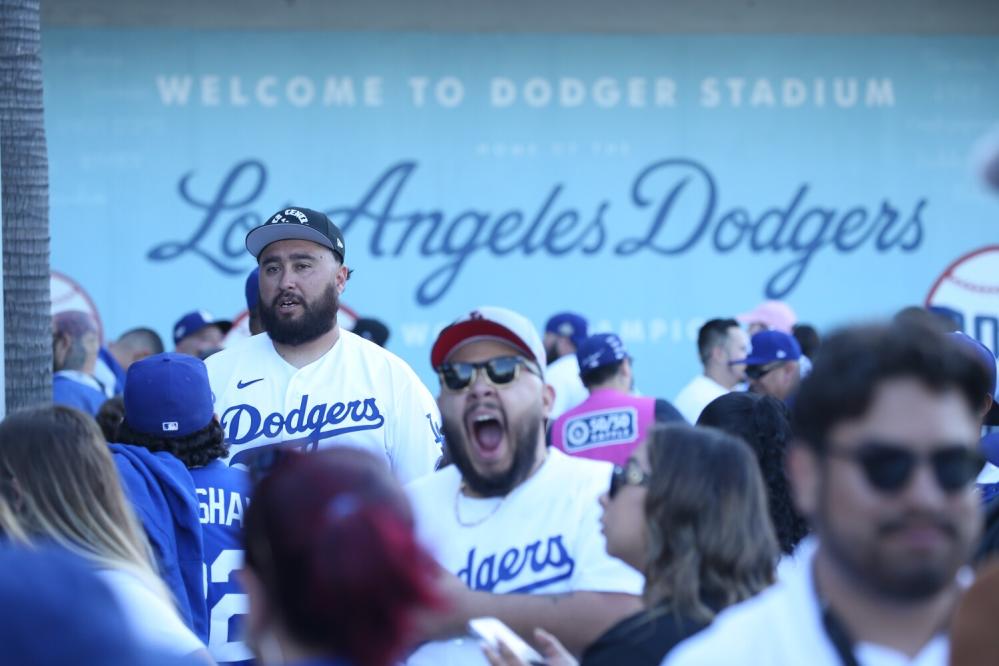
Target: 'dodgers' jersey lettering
x,y
357,394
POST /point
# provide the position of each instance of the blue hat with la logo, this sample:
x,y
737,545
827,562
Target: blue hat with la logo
x,y
599,350
771,346
168,395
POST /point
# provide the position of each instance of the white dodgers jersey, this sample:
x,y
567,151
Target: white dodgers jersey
x,y
357,394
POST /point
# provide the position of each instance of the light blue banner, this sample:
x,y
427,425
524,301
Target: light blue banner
x,y
648,182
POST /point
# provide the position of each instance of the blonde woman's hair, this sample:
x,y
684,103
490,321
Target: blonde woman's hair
x,y
59,484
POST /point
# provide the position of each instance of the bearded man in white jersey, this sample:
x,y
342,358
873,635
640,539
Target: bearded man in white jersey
x,y
308,383
515,523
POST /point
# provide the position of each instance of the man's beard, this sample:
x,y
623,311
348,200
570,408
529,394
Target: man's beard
x,y
317,318
525,443
872,569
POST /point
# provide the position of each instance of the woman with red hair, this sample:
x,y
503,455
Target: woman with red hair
x,y
333,571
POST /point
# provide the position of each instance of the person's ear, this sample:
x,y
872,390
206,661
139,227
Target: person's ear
x,y
547,400
340,278
60,346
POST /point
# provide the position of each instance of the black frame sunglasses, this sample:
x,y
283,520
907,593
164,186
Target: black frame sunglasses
x,y
758,372
500,371
629,475
889,467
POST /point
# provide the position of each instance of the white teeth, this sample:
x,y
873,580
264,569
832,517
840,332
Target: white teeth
x,y
483,417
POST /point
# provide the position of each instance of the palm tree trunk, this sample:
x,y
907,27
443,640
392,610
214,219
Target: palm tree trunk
x,y
24,163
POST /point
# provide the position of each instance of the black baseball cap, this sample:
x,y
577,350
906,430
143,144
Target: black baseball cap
x,y
296,224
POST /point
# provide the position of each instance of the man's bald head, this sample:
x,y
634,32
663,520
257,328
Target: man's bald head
x,y
75,341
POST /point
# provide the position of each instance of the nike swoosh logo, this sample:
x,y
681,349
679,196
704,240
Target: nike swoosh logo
x,y
242,385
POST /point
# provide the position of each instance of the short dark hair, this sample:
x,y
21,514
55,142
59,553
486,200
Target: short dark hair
x,y
713,333
142,337
598,376
195,450
855,360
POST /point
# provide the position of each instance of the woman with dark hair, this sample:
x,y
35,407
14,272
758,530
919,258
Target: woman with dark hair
x,y
762,422
333,571
689,511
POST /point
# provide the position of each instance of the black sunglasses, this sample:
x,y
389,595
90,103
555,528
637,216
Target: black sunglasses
x,y
629,475
500,371
889,467
757,372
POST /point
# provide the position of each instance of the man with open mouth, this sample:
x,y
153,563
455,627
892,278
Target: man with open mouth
x,y
514,523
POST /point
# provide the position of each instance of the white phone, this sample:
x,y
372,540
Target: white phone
x,y
491,631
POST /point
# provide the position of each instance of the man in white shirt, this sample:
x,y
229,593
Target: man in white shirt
x,y
514,523
883,466
719,343
308,383
564,332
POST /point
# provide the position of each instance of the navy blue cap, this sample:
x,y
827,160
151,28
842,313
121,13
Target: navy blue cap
x,y
770,346
253,288
59,612
296,223
371,329
168,395
599,350
568,325
988,361
193,322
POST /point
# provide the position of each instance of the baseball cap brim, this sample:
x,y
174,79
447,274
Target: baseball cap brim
x,y
465,332
264,235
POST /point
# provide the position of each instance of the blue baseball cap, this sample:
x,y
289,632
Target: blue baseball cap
x,y
168,395
193,322
568,325
771,346
988,360
253,288
599,350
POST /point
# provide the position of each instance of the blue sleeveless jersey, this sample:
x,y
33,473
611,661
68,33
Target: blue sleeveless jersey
x,y
223,495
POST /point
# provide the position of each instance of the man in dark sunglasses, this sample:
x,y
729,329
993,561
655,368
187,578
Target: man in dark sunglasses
x,y
883,466
515,524
772,366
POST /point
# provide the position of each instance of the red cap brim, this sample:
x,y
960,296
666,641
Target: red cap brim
x,y
463,331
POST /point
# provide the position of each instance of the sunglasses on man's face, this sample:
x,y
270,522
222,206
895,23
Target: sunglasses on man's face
x,y
890,467
499,371
758,372
629,475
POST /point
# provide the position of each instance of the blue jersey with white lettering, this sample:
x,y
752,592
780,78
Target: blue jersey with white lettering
x,y
223,495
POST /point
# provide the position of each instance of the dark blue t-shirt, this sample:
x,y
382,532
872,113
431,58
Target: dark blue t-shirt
x,y
222,500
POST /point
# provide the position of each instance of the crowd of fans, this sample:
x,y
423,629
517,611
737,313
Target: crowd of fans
x,y
802,500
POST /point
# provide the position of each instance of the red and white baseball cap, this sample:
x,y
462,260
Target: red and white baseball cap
x,y
490,323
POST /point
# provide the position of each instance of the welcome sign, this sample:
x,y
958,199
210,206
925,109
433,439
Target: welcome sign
x,y
648,182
